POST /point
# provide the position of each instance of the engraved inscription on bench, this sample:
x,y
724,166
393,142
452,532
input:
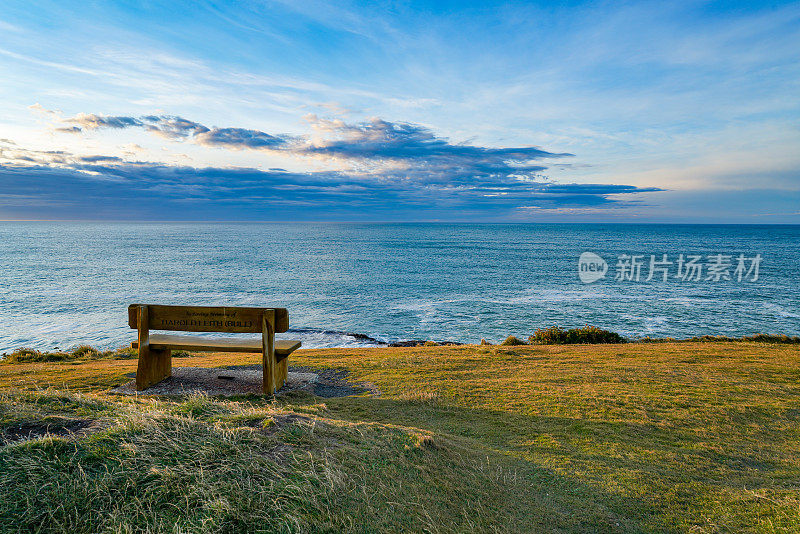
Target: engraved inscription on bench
x,y
209,319
169,324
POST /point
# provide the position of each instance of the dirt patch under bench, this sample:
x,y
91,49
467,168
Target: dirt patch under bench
x,y
246,379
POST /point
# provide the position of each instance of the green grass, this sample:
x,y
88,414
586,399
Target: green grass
x,y
248,465
636,437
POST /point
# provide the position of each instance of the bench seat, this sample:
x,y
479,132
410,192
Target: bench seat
x,y
283,347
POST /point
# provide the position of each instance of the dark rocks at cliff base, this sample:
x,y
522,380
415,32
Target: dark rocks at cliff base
x,y
424,343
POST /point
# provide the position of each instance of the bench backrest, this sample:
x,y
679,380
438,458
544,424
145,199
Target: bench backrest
x,y
229,319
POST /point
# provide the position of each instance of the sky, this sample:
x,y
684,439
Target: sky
x,y
674,112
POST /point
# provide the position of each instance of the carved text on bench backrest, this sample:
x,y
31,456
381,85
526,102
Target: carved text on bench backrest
x,y
208,318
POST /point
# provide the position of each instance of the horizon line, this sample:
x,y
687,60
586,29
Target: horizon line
x,y
432,221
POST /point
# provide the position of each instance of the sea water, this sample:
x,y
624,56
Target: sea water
x,y
65,284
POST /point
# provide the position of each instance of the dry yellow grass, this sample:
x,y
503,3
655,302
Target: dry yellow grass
x,y
700,437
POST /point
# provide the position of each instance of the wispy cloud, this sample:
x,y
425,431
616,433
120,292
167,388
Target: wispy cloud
x,y
90,121
178,129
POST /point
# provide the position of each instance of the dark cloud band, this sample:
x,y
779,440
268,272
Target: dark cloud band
x,y
100,189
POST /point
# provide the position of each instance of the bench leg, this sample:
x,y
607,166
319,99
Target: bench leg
x,y
154,366
268,353
269,374
283,372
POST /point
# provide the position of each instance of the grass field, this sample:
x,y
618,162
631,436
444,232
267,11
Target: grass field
x,y
639,437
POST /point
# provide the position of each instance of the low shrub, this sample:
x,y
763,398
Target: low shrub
x,y
512,341
548,336
585,335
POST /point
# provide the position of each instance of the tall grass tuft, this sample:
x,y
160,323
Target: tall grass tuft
x,y
755,338
512,341
79,353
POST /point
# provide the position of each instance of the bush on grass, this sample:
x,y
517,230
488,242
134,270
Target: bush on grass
x,y
585,335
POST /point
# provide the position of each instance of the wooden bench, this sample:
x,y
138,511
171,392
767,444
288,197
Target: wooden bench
x,y
155,350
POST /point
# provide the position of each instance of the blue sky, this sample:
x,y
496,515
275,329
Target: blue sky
x,y
621,112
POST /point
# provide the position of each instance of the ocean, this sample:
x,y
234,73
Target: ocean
x,y
65,284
